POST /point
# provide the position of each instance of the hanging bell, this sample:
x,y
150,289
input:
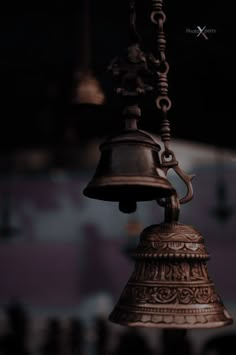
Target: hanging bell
x,y
129,170
170,286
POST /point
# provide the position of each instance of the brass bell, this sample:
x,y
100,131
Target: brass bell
x,y
170,286
129,170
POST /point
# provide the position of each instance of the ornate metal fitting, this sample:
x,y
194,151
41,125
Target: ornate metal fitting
x,y
132,73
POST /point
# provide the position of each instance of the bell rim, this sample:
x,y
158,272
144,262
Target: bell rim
x,y
99,188
165,322
219,324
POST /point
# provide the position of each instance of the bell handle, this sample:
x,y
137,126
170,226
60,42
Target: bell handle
x,y
169,161
172,208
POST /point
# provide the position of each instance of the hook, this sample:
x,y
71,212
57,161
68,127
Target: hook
x,y
173,163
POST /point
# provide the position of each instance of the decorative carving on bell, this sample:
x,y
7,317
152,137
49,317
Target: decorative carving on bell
x,y
170,286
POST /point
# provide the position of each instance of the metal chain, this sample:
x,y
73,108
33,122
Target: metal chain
x,y
163,101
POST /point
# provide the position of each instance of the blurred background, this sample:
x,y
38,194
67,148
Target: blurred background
x,y
63,257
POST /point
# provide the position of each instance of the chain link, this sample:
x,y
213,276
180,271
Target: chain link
x,y
163,101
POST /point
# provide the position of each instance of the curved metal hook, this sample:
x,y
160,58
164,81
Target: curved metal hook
x,y
187,180
173,164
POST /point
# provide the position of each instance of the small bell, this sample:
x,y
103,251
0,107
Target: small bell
x,y
129,170
170,286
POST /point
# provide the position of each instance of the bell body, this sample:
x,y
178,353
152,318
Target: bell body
x,y
129,170
170,286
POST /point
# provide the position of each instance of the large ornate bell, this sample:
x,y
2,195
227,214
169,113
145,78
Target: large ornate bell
x,y
170,286
129,170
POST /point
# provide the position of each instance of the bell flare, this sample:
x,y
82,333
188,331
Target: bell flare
x,y
129,171
170,286
184,322
166,317
130,188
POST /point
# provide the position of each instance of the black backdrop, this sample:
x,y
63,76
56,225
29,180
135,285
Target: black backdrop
x,y
40,48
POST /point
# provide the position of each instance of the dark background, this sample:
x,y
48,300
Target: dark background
x,y
41,48
53,237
